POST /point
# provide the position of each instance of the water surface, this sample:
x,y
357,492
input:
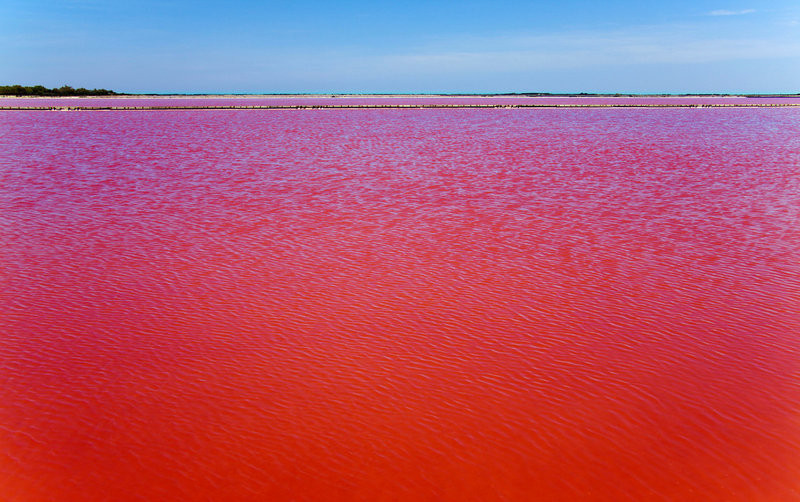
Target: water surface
x,y
527,304
402,101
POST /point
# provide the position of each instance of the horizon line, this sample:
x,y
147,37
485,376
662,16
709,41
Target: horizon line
x,y
423,94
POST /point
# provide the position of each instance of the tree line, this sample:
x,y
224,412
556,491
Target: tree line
x,y
40,90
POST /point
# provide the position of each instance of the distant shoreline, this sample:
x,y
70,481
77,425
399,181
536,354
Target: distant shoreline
x,y
389,101
390,107
317,96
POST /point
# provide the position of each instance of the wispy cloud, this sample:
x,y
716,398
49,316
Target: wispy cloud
x,y
723,12
645,45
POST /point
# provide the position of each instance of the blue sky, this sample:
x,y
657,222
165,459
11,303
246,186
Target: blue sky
x,y
411,47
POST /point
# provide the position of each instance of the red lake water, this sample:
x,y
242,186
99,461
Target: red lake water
x,y
424,304
278,101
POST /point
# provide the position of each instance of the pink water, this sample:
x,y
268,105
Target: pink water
x,y
527,304
132,101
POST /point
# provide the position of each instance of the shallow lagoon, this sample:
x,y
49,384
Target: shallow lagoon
x,y
396,101
551,304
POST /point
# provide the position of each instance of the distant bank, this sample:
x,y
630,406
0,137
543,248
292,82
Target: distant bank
x,y
68,91
63,91
341,101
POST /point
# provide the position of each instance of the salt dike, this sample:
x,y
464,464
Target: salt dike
x,y
288,102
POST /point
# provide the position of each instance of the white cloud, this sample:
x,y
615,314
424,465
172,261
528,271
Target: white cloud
x,y
723,12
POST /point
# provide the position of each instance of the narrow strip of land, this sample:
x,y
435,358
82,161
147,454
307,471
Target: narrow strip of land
x,y
420,105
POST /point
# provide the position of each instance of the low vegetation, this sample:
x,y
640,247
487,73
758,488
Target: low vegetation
x,y
40,90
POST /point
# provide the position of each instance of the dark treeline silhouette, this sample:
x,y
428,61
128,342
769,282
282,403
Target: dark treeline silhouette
x,y
39,90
